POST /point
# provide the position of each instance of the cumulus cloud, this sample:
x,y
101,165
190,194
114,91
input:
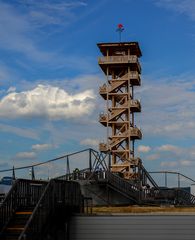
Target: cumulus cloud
x,y
143,149
47,101
25,155
42,147
90,142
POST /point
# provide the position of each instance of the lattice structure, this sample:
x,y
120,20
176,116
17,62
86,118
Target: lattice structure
x,y
121,66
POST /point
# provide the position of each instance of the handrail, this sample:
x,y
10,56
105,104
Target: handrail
x,y
8,206
120,59
58,194
155,185
172,172
183,197
132,58
48,161
32,224
24,193
123,186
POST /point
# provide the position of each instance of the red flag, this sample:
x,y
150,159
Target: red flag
x,y
120,25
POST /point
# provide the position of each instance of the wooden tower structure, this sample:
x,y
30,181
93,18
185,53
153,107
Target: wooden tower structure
x,y
122,69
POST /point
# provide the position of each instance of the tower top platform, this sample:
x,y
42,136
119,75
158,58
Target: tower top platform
x,y
115,47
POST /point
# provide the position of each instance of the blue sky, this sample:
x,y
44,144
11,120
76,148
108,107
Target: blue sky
x,y
49,78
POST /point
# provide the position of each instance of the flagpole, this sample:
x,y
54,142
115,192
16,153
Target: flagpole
x,y
119,29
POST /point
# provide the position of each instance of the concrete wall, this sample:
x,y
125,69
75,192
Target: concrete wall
x,y
133,227
102,194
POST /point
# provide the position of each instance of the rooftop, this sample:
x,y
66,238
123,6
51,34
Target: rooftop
x,y
120,46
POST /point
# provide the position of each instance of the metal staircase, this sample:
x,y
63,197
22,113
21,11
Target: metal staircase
x,y
124,187
17,207
17,223
184,198
34,210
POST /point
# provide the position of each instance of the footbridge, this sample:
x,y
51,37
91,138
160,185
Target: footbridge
x,y
38,209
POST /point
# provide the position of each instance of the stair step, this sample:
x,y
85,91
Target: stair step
x,y
10,238
17,224
15,228
24,213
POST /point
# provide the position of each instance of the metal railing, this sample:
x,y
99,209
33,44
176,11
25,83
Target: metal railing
x,y
24,193
125,187
184,198
59,199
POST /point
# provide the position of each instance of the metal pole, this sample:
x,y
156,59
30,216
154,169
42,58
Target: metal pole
x,y
13,174
178,180
90,163
165,179
32,174
109,161
119,36
67,165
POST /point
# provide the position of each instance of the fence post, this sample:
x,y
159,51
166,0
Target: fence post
x,y
90,158
178,175
67,168
13,174
32,173
165,179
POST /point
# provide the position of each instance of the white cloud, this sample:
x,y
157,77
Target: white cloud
x,y
14,30
90,142
47,101
186,7
169,164
25,155
186,163
11,89
21,27
46,13
153,157
22,132
169,148
42,147
144,149
172,113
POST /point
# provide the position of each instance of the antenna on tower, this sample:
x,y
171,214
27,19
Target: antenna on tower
x,y
120,29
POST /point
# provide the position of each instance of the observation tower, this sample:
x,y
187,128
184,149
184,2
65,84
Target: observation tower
x,y
120,64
